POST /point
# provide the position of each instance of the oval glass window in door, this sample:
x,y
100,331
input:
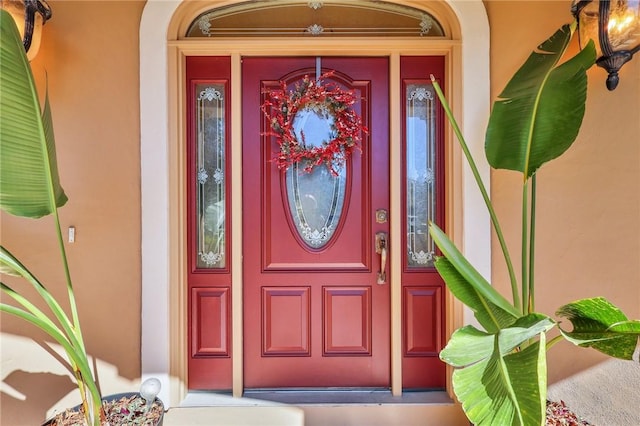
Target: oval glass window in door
x,y
316,197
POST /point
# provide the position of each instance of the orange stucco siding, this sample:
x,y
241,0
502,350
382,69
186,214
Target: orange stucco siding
x,y
588,240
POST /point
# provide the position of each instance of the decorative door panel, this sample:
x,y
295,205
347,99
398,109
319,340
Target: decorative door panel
x,y
335,203
286,321
209,220
314,315
209,310
422,321
423,192
347,320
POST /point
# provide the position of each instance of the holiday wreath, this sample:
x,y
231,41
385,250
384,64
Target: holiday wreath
x,y
325,99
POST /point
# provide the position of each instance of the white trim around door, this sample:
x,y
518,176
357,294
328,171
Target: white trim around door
x,y
158,302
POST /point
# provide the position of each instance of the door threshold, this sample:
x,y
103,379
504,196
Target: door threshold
x,y
348,396
303,397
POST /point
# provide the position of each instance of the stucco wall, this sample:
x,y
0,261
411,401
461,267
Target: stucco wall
x,y
90,54
588,216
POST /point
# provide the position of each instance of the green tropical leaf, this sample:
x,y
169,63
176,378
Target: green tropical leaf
x,y
540,111
497,384
488,314
468,345
623,327
8,270
468,272
600,325
10,263
29,181
77,357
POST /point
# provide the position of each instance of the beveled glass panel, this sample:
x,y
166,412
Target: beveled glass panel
x,y
210,175
315,198
269,18
420,173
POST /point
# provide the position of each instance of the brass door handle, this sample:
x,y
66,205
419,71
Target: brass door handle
x,y
382,248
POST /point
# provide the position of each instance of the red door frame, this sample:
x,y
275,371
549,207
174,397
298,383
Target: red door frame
x,y
423,290
210,291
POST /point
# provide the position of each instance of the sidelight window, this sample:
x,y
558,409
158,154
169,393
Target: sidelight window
x,y
210,175
420,173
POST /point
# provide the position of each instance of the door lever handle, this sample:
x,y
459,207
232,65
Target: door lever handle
x,y
382,248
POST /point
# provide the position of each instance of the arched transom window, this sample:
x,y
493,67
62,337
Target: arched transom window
x,y
271,18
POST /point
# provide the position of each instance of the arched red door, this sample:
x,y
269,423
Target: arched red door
x,y
314,314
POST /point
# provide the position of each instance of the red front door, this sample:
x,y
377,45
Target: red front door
x,y
314,315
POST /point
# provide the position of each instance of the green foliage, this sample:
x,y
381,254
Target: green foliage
x,y
492,378
30,187
28,169
600,325
492,317
500,372
458,269
540,111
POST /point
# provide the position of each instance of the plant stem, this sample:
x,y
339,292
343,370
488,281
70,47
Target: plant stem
x,y
553,341
524,248
483,191
532,237
82,369
72,300
49,163
86,383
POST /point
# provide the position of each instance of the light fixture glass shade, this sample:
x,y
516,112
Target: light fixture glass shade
x,y
29,16
614,26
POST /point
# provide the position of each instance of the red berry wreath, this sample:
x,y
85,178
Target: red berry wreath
x,y
281,107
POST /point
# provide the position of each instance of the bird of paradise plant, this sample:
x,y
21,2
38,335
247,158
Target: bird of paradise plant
x,y
500,371
30,187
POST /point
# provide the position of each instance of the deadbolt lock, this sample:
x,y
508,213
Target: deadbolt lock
x,y
382,216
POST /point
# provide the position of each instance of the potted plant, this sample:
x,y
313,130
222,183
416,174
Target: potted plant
x,y
30,187
500,371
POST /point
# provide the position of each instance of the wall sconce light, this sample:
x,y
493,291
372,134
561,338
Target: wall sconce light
x,y
614,26
30,16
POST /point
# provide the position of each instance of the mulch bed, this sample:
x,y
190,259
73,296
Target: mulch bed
x,y
558,414
128,410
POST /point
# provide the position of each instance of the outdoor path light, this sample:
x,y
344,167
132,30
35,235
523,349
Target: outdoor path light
x,y
30,16
614,26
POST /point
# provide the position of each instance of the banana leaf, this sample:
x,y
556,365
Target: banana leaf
x,y
497,383
540,111
29,180
600,325
468,284
489,315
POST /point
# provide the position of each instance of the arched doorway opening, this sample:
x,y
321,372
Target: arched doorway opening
x,y
162,164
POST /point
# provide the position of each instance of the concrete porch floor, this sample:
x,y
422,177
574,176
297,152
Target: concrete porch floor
x,y
336,408
608,394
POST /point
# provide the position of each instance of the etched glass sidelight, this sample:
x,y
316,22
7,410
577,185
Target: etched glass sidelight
x,y
210,176
315,198
420,173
